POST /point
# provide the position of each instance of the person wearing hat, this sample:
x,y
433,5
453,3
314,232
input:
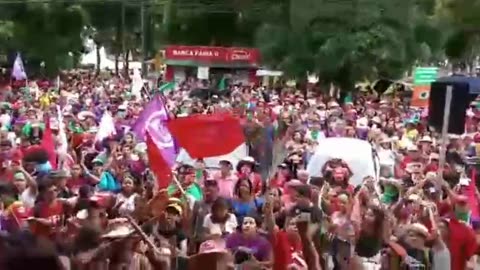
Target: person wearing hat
x,y
426,139
226,179
193,190
461,242
386,155
425,145
171,227
213,254
432,165
105,180
413,238
25,186
413,155
281,176
246,169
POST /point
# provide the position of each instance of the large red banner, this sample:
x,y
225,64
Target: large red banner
x,y
212,54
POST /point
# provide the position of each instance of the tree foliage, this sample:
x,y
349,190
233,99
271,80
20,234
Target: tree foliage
x,y
44,32
215,22
462,18
341,40
348,40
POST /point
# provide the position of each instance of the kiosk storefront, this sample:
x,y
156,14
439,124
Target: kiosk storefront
x,y
203,62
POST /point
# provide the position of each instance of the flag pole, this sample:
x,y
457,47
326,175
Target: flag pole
x,y
443,146
179,185
145,238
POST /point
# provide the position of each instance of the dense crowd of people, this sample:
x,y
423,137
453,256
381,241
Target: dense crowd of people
x,y
92,201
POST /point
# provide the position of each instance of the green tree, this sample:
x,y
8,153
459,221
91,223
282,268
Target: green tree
x,y
461,18
343,41
214,22
46,32
118,35
6,32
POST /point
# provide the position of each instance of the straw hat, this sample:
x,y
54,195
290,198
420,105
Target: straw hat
x,y
417,228
247,161
426,139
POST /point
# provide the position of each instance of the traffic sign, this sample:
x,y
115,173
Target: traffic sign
x,y
425,75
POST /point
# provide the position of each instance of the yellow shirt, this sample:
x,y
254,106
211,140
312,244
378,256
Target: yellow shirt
x,y
412,134
45,100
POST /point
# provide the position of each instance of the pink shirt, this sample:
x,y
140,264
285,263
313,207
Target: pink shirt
x,y
225,184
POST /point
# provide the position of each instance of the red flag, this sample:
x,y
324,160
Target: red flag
x,y
48,143
158,165
207,135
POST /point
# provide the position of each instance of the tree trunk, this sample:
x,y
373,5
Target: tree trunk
x,y
116,63
97,49
119,38
125,62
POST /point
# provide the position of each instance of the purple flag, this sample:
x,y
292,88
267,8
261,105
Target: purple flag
x,y
18,71
153,119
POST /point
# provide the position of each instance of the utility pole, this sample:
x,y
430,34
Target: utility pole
x,y
166,14
124,45
144,40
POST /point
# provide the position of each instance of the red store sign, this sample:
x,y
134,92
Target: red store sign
x,y
212,54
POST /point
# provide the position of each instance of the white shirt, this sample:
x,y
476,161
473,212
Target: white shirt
x,y
12,137
28,198
386,157
228,227
5,119
128,204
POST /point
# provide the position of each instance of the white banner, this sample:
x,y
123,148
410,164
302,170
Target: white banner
x,y
202,73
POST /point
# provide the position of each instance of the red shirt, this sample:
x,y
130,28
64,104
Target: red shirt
x,y
75,183
278,181
431,167
407,160
462,244
53,212
283,249
6,175
256,181
444,208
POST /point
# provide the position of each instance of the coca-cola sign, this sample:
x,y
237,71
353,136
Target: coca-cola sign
x,y
240,55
